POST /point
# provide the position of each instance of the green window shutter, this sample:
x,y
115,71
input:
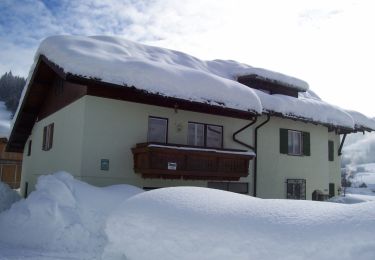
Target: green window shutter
x,y
331,151
306,143
283,141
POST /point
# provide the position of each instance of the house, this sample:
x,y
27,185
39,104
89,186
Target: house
x,y
112,111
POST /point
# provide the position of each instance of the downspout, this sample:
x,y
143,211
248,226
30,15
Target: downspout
x,y
341,145
256,152
243,128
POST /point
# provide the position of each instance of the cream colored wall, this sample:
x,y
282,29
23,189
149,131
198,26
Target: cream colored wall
x,y
94,128
113,127
275,168
66,152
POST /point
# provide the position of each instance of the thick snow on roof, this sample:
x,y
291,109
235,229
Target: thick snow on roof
x,y
176,74
156,70
307,108
361,121
5,116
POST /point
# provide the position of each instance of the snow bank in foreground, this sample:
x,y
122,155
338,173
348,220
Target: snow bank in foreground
x,y
199,223
7,196
63,215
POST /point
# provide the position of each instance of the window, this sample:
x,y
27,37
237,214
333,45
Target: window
x,y
237,187
157,129
296,189
205,135
331,153
294,142
196,134
48,137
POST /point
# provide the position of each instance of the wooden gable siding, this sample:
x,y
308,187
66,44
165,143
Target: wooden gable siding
x,y
60,94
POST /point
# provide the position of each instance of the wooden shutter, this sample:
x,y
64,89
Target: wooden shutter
x,y
51,136
283,141
29,148
330,151
331,190
306,143
44,138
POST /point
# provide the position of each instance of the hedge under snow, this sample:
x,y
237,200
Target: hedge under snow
x,y
7,196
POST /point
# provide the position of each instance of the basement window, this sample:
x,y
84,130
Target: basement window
x,y
237,187
48,137
296,189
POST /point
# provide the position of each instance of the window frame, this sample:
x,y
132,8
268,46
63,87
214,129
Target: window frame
x,y
166,130
284,142
205,127
48,132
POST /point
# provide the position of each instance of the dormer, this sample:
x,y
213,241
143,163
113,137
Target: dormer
x,y
273,82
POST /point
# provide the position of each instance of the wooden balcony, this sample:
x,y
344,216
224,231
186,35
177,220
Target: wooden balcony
x,y
171,161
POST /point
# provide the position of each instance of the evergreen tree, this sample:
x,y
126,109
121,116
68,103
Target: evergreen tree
x,y
10,90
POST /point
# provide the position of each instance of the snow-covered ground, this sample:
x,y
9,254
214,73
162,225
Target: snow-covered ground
x,y
7,196
68,219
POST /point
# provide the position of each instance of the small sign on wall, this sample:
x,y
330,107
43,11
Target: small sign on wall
x,y
104,164
172,166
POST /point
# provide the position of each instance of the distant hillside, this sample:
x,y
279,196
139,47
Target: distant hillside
x,y
10,90
359,149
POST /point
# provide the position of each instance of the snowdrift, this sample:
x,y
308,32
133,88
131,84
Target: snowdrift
x,y
200,223
68,219
63,215
7,196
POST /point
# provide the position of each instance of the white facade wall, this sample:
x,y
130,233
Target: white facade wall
x,y
94,128
66,152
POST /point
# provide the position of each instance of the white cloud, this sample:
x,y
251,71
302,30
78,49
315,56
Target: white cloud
x,y
327,43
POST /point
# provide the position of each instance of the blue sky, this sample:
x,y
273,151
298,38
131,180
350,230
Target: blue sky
x,y
327,43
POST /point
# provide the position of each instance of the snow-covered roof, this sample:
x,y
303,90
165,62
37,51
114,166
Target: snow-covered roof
x,y
175,74
361,121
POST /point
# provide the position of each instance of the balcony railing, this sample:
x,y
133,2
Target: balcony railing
x,y
171,161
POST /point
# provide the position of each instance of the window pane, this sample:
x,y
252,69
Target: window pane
x,y
157,130
294,142
214,136
196,134
239,187
218,185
